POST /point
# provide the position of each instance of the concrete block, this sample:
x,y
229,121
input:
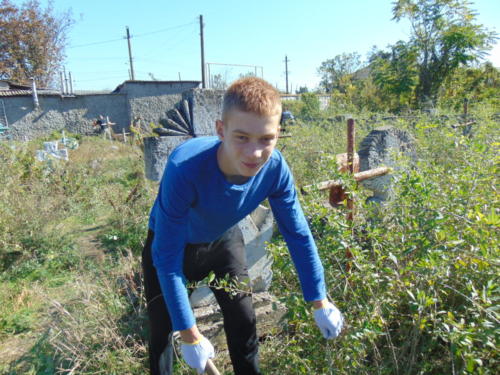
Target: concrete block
x,y
50,146
156,152
206,108
381,148
268,310
257,229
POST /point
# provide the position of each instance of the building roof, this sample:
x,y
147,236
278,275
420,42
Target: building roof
x,y
120,86
9,88
11,92
43,92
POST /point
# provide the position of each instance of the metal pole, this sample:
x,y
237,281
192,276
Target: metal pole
x,y
65,81
203,83
286,72
351,134
210,82
130,55
62,83
34,93
70,84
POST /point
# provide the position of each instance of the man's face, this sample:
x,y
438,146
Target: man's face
x,y
248,141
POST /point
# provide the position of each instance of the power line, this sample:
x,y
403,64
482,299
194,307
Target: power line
x,y
95,43
132,36
163,30
96,58
98,72
172,42
100,79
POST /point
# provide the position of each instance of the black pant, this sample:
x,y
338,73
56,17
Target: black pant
x,y
225,256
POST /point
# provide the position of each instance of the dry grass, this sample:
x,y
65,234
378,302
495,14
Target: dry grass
x,y
101,326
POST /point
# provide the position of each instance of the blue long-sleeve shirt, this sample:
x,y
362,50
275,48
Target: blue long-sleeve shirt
x,y
196,204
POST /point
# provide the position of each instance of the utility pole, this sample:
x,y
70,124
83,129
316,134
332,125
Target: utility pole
x,y
286,72
130,56
203,85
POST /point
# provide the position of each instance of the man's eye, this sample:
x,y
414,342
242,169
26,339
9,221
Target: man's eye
x,y
241,138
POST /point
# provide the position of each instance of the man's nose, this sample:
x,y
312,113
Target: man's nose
x,y
253,150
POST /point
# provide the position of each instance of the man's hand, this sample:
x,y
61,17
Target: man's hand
x,y
328,318
197,354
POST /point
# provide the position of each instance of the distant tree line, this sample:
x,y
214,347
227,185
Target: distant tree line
x,y
438,63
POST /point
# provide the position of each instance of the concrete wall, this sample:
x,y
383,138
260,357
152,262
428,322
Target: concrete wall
x,y
74,114
206,108
148,100
324,100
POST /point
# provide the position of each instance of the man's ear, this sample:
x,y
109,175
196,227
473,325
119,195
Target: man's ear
x,y
219,128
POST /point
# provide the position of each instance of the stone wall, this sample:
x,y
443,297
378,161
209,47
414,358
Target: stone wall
x,y
148,100
75,114
206,108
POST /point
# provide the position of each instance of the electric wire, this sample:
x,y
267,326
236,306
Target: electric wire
x,y
132,36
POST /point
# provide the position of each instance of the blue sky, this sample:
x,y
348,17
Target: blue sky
x,y
165,37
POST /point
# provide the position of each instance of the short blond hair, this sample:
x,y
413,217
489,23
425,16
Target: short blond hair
x,y
252,94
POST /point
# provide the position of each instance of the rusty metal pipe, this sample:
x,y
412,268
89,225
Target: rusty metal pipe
x,y
359,176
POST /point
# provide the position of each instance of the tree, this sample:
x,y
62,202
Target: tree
x,y
310,106
217,82
479,84
336,73
445,36
32,41
395,72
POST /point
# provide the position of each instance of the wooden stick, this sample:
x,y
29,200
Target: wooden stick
x,y
210,369
360,176
454,126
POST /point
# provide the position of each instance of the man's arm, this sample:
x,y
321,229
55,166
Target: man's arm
x,y
175,197
294,228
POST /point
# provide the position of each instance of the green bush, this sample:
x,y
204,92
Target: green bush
x,y
422,293
311,106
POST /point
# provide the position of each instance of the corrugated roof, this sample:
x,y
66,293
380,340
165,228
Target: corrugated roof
x,y
15,92
11,92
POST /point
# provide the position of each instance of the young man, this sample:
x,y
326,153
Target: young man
x,y
209,185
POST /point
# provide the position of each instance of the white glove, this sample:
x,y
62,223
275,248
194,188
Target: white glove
x,y
329,320
197,355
